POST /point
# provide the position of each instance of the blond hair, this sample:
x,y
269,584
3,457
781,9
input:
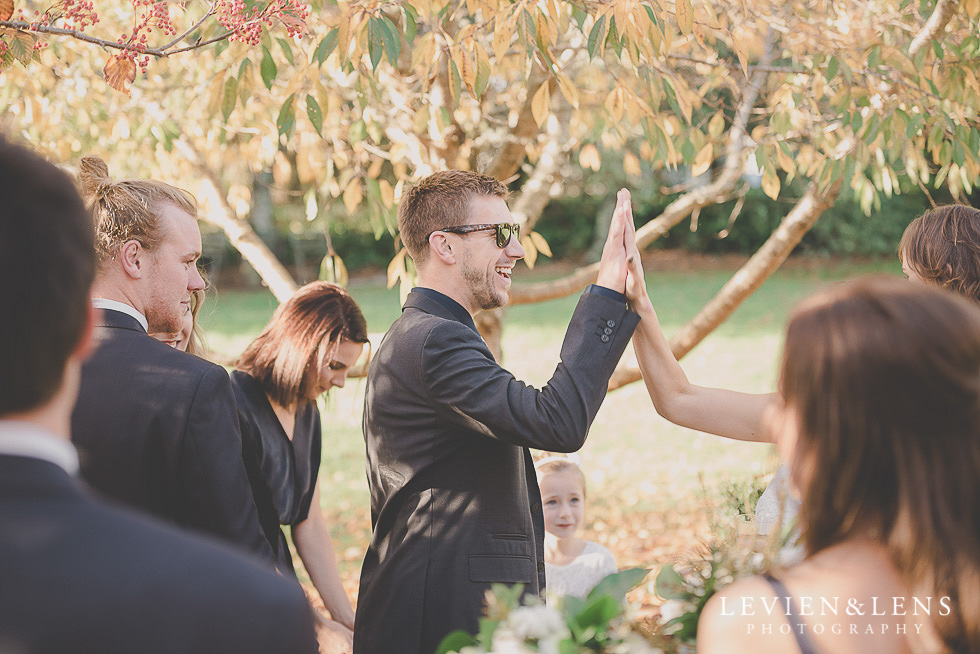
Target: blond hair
x,y
128,209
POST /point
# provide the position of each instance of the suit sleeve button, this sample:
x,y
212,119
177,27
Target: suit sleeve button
x,y
610,323
604,338
607,331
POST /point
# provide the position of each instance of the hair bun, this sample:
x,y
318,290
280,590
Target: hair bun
x,y
93,175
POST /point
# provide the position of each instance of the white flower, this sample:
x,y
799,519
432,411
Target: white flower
x,y
536,623
672,609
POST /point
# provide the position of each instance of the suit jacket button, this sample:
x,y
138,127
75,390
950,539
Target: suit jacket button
x,y
535,508
610,323
607,331
604,338
540,566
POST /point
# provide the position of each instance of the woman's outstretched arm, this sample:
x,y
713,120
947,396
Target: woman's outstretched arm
x,y
714,410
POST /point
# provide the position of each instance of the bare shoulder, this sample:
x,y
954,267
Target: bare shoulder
x,y
730,620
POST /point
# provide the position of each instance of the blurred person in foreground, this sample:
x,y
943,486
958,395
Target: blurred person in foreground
x,y
77,574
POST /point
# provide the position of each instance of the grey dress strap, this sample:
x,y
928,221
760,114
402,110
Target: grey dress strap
x,y
792,615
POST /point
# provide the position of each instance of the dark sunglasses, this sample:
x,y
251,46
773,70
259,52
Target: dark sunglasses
x,y
502,231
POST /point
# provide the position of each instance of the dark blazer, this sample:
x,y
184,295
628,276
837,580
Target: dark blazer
x,y
455,503
157,428
79,575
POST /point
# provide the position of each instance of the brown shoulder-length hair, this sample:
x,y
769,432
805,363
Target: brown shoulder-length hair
x,y
438,201
942,246
303,333
884,379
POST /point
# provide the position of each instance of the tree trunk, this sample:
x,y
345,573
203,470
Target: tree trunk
x,y
747,279
490,324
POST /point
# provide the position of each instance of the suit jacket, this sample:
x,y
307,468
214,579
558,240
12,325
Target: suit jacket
x,y
79,575
455,504
157,428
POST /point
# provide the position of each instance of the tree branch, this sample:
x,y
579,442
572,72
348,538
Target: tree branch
x,y
941,15
719,190
510,157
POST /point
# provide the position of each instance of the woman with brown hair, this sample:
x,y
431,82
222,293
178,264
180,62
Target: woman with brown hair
x,y
940,247
308,347
879,420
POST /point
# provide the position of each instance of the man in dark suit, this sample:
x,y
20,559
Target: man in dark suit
x,y
454,500
157,428
77,575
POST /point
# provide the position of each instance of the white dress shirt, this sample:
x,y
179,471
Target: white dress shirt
x,y
102,303
27,439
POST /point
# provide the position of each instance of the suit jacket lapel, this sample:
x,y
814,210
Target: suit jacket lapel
x,y
117,320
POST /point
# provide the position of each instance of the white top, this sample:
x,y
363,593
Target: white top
x,y
102,303
27,439
594,564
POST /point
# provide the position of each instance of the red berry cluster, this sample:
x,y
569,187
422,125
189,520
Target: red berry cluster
x,y
246,25
150,15
78,14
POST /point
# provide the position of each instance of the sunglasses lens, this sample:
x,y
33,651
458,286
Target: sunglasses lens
x,y
504,233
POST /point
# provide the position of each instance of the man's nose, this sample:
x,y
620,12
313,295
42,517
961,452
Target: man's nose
x,y
514,248
195,282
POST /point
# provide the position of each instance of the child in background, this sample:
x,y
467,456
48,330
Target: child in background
x,y
573,566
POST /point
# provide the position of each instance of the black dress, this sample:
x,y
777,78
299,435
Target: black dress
x,y
282,472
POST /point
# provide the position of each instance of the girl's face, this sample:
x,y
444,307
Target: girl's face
x,y
910,271
564,502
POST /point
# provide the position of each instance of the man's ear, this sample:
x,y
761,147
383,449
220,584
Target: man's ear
x,y
441,248
132,257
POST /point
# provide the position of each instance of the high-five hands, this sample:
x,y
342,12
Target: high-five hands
x,y
613,266
636,287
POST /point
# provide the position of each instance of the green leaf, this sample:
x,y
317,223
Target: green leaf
x,y
598,613
937,48
243,67
392,41
287,117
7,59
487,629
229,97
288,51
375,42
832,65
327,45
670,584
455,641
618,584
596,35
267,68
411,23
315,114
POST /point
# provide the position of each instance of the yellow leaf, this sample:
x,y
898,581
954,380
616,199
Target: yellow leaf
x,y
588,157
120,72
568,89
540,243
502,31
387,194
685,16
396,268
614,103
543,31
631,164
352,196
716,125
770,183
703,160
785,161
682,95
541,104
972,8
530,251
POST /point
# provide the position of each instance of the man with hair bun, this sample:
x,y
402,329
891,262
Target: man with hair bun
x,y
76,574
156,428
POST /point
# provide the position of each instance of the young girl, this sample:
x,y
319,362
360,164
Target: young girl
x,y
572,566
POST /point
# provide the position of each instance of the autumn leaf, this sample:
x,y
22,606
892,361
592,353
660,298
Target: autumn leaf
x,y
6,9
541,104
685,16
120,72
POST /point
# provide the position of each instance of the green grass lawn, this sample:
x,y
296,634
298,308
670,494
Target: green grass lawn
x,y
645,475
